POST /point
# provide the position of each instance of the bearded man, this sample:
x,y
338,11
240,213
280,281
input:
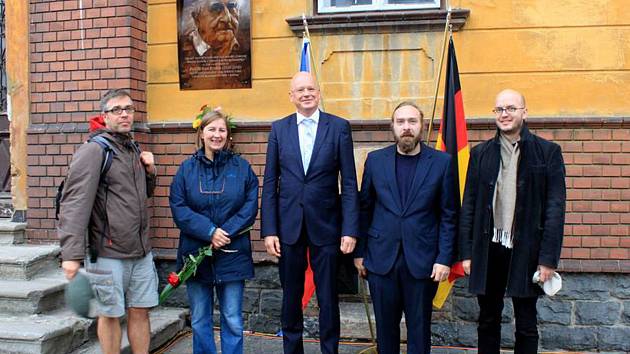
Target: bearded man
x,y
407,231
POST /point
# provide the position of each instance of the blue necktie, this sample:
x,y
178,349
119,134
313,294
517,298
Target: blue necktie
x,y
309,141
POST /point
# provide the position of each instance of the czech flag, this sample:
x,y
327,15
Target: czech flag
x,y
305,58
453,138
309,283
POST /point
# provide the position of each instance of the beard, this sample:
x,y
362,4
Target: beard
x,y
407,142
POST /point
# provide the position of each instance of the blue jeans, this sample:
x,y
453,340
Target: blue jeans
x,y
201,299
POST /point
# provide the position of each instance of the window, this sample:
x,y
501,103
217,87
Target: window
x,y
328,6
378,16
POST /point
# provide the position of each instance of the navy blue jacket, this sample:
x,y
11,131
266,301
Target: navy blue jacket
x,y
291,198
424,226
208,194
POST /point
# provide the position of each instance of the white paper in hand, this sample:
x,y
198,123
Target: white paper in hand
x,y
551,286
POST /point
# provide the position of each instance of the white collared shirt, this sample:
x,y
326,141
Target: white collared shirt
x,y
300,118
306,149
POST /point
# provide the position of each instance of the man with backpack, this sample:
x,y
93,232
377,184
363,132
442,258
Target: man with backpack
x,y
103,209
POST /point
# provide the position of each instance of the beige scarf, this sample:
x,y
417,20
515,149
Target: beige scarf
x,y
504,200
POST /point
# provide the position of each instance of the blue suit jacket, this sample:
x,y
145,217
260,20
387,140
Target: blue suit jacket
x,y
290,198
424,226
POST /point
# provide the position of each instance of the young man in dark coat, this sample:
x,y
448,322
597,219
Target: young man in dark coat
x,y
511,222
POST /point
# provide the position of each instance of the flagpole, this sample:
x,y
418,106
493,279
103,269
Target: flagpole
x,y
447,31
312,58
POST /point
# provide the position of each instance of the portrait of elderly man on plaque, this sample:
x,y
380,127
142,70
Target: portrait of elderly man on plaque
x,y
214,44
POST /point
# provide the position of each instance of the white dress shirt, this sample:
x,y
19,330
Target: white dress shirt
x,y
307,131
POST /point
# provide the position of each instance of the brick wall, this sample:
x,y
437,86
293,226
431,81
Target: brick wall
x,y
79,50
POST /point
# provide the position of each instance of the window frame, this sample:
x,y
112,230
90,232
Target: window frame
x,y
427,20
323,7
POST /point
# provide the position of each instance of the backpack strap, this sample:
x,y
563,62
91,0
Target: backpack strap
x,y
136,147
58,198
108,153
108,156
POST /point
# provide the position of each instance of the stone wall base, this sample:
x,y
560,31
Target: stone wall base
x,y
590,313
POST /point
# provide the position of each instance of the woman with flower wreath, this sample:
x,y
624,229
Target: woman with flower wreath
x,y
213,198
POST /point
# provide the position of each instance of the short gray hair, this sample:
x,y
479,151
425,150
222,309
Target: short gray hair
x,y
115,93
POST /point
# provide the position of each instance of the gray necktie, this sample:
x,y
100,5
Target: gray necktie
x,y
309,141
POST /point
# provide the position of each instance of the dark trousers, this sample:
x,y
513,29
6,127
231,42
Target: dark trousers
x,y
491,307
397,292
324,262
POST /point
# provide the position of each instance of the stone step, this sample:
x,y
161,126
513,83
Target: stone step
x,y
166,322
11,232
25,262
53,333
33,296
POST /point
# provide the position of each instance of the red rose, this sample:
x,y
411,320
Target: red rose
x,y
173,279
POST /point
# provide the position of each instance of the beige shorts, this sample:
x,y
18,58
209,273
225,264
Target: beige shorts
x,y
122,283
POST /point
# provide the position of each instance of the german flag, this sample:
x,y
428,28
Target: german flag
x,y
453,138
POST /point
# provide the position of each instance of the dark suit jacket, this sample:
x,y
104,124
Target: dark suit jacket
x,y
538,217
424,226
291,199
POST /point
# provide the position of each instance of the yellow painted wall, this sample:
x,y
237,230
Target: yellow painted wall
x,y
569,57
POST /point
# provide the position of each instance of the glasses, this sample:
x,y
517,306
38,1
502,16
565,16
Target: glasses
x,y
510,110
202,191
118,110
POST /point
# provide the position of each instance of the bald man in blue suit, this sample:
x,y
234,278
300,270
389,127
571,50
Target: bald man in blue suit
x,y
309,155
408,220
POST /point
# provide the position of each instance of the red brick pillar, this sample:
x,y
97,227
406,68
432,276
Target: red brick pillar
x,y
79,50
